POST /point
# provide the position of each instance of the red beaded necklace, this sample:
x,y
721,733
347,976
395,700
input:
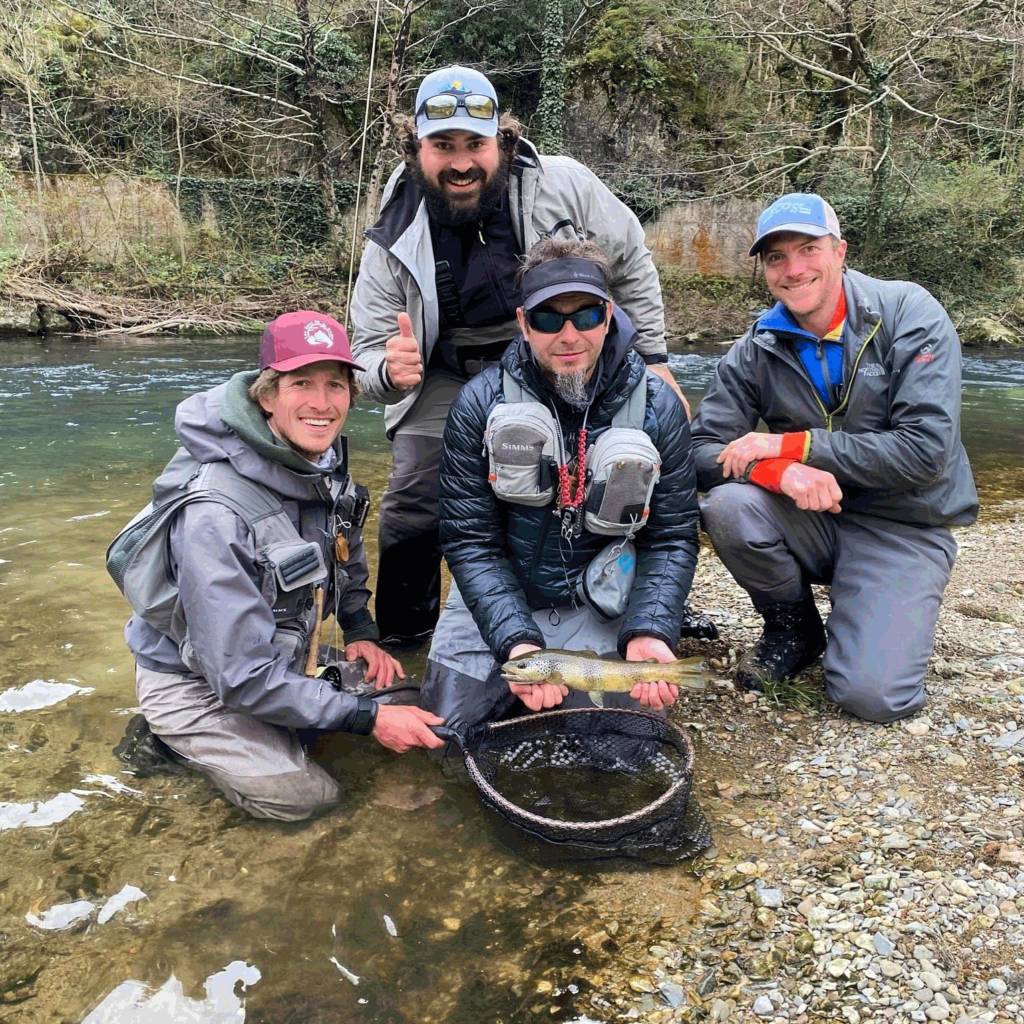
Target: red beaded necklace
x,y
565,498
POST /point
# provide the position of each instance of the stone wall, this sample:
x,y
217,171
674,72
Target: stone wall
x,y
706,237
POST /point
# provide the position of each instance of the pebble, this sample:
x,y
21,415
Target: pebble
x,y
874,867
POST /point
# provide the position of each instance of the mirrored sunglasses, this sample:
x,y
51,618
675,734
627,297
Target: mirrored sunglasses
x,y
547,321
445,105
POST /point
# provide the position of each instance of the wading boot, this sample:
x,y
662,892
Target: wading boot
x,y
696,625
793,638
146,753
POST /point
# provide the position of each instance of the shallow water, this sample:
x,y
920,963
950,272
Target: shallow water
x,y
405,888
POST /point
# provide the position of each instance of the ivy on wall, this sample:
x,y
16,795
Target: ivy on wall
x,y
260,211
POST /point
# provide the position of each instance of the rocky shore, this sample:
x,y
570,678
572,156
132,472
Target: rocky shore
x,y
861,872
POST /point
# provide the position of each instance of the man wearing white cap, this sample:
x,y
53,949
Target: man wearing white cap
x,y
253,535
436,299
859,477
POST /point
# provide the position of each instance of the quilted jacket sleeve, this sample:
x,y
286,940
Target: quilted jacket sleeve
x,y
472,526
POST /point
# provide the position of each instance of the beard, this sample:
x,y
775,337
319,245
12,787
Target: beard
x,y
455,213
572,387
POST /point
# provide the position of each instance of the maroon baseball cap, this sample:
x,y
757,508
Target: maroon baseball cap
x,y
303,337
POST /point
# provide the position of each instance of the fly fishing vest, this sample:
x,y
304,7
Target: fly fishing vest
x,y
524,446
289,568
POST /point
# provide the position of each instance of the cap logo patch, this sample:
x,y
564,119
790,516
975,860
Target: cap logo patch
x,y
318,333
457,86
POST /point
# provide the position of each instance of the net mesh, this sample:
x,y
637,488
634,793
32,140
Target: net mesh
x,y
599,782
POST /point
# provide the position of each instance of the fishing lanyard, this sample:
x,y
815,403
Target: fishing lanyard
x,y
570,508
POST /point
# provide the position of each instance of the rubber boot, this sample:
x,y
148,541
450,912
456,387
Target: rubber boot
x,y
793,638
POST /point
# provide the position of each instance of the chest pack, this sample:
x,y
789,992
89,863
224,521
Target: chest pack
x,y
289,567
524,449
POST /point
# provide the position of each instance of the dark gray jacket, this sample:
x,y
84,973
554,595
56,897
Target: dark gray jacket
x,y
231,626
893,444
509,559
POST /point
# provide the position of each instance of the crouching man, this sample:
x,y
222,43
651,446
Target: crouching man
x,y
857,481
254,531
568,501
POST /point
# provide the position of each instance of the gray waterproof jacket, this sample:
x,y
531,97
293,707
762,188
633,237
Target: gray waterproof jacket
x,y
548,195
893,443
220,575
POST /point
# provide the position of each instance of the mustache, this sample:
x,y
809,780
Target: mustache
x,y
456,178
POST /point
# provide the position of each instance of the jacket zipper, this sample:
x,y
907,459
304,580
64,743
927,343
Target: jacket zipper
x,y
849,387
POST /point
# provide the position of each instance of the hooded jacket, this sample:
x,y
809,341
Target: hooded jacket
x,y
230,625
549,195
893,441
510,559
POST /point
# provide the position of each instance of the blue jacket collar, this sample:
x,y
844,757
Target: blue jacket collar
x,y
778,321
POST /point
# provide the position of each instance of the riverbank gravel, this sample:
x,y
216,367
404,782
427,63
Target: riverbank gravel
x,y
861,872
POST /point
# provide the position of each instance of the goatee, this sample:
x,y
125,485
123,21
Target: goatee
x,y
572,387
455,214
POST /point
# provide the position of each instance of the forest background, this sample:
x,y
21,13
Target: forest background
x,y
236,149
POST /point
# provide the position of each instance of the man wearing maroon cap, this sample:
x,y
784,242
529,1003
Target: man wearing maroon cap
x,y
252,538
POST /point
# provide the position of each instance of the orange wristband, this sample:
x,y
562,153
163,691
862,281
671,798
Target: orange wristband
x,y
767,473
796,446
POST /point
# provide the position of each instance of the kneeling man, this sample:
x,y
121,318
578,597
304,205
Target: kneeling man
x,y
859,478
567,456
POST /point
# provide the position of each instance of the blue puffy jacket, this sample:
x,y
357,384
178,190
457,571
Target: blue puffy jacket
x,y
508,559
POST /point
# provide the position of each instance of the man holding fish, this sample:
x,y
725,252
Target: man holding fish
x,y
568,511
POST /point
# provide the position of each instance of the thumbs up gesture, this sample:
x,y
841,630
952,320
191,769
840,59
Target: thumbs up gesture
x,y
402,355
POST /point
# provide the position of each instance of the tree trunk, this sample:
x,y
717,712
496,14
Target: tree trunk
x,y
321,162
369,211
552,79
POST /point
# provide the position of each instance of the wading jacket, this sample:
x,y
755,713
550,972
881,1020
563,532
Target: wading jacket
x,y
893,441
548,195
234,623
508,559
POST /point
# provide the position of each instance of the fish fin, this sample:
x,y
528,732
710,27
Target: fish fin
x,y
596,698
610,656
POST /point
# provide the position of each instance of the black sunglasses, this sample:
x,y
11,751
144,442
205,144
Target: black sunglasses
x,y
547,321
445,105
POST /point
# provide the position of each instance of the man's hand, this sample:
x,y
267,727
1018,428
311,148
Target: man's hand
x,y
737,455
652,695
662,370
382,668
813,490
536,695
402,356
399,727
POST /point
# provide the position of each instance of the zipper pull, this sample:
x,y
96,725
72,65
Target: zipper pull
x,y
480,234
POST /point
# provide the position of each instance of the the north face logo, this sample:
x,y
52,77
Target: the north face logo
x,y
872,370
318,333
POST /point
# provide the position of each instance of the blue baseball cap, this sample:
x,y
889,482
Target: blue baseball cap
x,y
802,212
458,82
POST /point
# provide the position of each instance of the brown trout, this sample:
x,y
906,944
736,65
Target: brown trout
x,y
581,670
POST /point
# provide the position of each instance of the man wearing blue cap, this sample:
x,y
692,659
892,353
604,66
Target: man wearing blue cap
x,y
255,531
859,478
436,300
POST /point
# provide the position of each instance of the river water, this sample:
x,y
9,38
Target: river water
x,y
404,888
